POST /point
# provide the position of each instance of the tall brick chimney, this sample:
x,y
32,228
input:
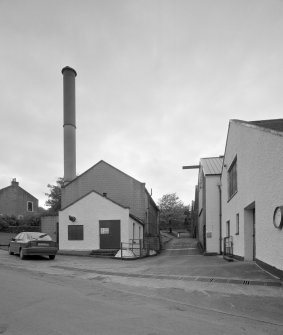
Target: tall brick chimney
x,y
69,86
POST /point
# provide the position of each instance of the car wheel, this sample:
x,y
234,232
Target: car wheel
x,y
22,256
51,256
9,251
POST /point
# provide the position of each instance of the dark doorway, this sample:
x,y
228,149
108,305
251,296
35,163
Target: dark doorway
x,y
110,234
204,237
250,232
254,245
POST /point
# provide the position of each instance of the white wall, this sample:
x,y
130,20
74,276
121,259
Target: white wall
x,y
212,213
136,229
88,211
260,180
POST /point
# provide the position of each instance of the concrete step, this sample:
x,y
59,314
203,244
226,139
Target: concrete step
x,y
104,252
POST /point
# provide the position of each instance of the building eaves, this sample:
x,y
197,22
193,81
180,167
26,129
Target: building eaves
x,y
272,126
10,186
136,218
93,191
102,162
151,200
211,165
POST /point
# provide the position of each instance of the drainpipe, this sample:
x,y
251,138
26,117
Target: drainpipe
x,y
220,220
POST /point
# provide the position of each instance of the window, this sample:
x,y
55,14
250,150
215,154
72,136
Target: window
x,y
134,226
232,179
237,224
30,206
228,229
75,232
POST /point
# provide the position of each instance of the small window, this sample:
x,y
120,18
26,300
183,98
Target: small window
x,y
30,206
232,179
237,224
75,232
228,229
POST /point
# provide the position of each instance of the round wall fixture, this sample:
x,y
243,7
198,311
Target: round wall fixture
x,y
278,217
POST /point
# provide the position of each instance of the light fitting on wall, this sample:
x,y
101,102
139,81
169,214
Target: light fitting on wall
x,y
72,218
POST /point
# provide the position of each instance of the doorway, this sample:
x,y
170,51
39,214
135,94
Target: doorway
x,y
250,232
110,234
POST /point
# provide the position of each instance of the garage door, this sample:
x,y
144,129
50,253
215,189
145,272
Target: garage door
x,y
110,234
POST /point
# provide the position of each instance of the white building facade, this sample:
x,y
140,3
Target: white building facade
x,y
209,204
96,222
252,188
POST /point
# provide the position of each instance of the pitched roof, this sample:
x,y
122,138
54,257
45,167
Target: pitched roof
x,y
87,194
274,124
211,165
99,163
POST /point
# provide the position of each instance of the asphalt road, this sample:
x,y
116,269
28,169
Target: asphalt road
x,y
68,296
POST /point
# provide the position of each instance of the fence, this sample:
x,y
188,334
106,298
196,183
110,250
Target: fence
x,y
137,248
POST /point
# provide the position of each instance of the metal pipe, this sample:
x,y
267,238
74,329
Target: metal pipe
x,y
220,220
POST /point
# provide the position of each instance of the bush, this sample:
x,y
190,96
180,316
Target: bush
x,y
13,225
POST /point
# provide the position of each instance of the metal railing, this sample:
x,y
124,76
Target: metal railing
x,y
132,249
228,247
137,248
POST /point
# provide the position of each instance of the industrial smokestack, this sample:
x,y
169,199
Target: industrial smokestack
x,y
69,84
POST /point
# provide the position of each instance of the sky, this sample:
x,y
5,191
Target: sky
x,y
158,82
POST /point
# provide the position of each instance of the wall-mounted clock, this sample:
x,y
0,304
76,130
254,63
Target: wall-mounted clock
x,y
278,217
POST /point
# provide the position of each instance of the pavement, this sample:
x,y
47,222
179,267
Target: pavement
x,y
180,259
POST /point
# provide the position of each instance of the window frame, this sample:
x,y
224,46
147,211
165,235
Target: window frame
x,y
75,236
32,209
228,229
232,179
237,224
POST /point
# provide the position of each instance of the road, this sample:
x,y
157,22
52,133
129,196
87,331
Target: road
x,y
77,295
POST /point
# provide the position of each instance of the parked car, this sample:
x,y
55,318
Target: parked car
x,y
33,243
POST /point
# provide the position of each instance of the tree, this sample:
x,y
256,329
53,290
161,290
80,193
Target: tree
x,y
172,209
54,196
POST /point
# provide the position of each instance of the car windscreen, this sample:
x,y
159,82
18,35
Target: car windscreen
x,y
38,236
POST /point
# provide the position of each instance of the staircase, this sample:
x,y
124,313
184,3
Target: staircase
x,y
104,253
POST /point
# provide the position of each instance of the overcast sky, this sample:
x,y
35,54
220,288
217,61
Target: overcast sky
x,y
158,81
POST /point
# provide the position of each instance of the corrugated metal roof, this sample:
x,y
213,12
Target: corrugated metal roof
x,y
211,165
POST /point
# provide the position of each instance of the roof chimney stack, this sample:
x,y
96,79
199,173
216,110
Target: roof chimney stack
x,y
14,182
69,84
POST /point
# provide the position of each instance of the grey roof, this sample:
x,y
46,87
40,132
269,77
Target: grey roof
x,y
275,124
211,165
267,125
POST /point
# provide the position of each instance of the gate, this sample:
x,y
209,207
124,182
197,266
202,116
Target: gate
x,y
228,247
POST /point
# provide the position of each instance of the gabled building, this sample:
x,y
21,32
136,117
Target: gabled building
x,y
16,201
110,207
206,209
252,192
103,207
